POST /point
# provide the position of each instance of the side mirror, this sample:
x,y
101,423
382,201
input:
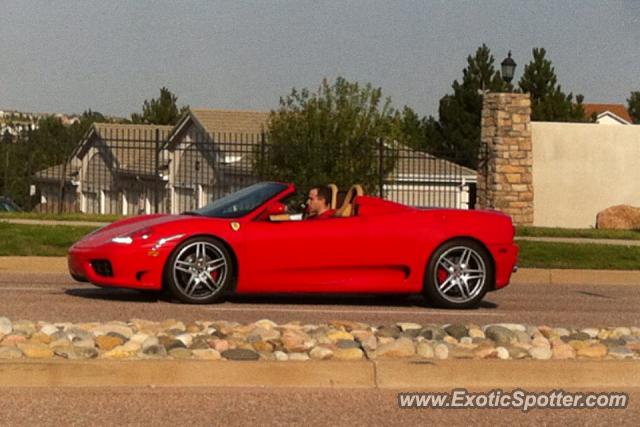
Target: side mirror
x,y
273,209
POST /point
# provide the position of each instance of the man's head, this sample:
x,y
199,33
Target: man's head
x,y
319,199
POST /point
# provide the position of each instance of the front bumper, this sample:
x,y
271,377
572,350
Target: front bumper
x,y
131,267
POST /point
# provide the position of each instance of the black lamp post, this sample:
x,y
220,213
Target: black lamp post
x,y
508,67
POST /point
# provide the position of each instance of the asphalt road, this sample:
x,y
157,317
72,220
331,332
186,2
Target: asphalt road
x,y
56,297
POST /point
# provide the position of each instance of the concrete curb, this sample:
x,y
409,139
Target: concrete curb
x,y
326,374
525,276
33,265
528,276
54,222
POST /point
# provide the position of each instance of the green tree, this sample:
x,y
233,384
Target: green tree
x,y
161,111
412,128
457,133
633,102
335,135
548,101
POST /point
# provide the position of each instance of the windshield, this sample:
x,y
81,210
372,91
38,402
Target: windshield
x,y
241,202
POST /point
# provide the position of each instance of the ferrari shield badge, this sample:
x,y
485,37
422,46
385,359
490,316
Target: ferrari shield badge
x,y
235,226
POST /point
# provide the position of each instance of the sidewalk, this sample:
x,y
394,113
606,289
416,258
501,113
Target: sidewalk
x,y
423,374
581,240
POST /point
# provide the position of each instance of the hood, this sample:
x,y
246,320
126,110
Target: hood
x,y
127,226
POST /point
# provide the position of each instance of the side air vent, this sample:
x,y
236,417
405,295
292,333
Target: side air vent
x,y
102,267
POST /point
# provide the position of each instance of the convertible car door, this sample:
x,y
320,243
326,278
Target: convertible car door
x,y
328,255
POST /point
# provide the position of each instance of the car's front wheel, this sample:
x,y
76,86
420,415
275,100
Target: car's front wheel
x,y
458,275
199,270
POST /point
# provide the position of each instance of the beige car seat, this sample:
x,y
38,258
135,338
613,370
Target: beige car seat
x,y
346,209
334,195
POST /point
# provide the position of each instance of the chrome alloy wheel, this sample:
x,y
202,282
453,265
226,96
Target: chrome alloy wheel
x,y
200,270
460,274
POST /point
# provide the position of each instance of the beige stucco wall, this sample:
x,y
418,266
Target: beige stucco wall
x,y
581,169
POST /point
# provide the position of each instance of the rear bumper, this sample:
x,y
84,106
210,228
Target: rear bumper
x,y
506,263
130,267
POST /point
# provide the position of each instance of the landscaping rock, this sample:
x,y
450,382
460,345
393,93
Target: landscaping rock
x,y
433,332
155,350
389,332
500,335
541,353
457,331
441,351
321,353
595,351
180,353
348,354
406,326
107,343
36,351
300,357
240,354
24,327
6,326
10,353
425,350
402,347
280,356
619,217
502,353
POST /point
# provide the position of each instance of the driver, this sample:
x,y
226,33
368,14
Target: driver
x,y
318,203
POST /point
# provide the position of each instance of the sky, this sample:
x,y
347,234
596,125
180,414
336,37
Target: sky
x,y
109,56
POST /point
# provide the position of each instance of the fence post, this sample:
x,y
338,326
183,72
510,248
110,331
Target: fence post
x,y
381,167
7,147
158,180
29,160
263,154
506,133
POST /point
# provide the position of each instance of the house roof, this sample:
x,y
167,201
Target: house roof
x,y
231,121
617,109
234,132
418,165
133,146
224,126
55,173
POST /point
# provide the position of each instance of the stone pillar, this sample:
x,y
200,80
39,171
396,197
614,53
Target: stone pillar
x,y
505,169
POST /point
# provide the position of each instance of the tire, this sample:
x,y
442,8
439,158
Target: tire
x,y
199,271
458,274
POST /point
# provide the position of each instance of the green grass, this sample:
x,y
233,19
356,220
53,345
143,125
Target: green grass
x,y
38,240
578,256
61,217
589,233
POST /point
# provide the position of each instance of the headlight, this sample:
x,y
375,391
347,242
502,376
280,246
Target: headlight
x,y
125,240
143,234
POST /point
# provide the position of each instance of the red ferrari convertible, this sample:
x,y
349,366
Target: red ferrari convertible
x,y
247,242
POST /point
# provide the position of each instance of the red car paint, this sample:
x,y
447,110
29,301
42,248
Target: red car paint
x,y
384,248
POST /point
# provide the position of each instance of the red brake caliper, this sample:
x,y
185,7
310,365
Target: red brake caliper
x,y
442,275
215,274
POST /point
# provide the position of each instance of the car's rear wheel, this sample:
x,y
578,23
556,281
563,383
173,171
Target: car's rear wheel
x,y
199,271
458,275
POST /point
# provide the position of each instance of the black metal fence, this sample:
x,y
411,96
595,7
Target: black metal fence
x,y
129,170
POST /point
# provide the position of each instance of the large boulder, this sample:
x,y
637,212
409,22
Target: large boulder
x,y
621,217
